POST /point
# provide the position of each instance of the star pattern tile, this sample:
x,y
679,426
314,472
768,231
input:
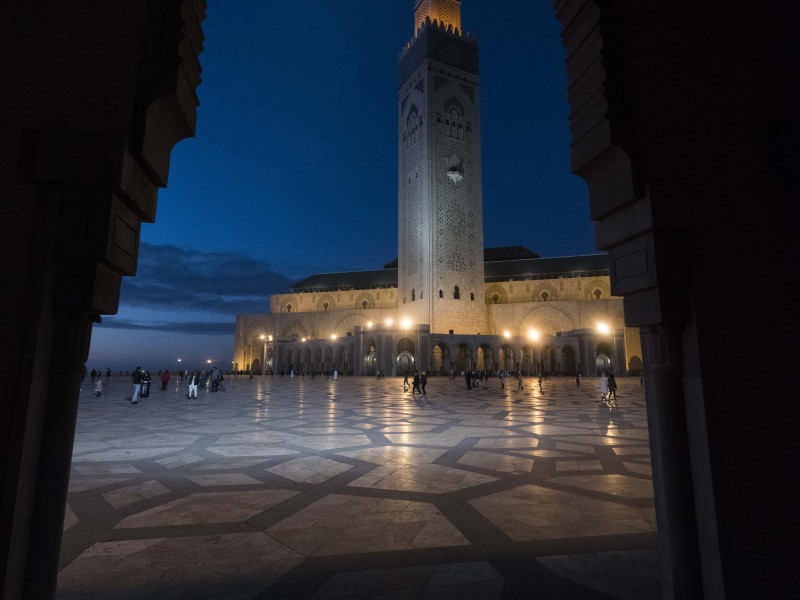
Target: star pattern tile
x,y
298,488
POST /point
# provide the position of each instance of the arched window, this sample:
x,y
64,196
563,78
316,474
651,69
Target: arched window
x,y
326,306
364,304
456,293
454,124
495,299
545,296
598,293
441,293
288,308
413,294
412,124
472,296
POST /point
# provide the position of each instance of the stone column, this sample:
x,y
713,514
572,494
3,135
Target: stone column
x,y
672,477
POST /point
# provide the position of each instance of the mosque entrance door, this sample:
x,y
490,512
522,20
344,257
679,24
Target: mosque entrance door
x,y
603,363
405,362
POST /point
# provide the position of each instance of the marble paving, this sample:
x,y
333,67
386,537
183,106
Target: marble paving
x,y
299,488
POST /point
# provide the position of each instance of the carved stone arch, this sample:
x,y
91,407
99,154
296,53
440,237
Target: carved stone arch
x,y
362,297
294,330
413,102
348,322
544,292
326,299
496,294
548,320
253,331
590,290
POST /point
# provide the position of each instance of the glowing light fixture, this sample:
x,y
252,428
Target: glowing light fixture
x,y
603,328
333,336
405,323
369,324
533,334
389,322
507,334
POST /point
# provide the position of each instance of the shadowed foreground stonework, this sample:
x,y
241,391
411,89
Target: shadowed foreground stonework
x,y
291,488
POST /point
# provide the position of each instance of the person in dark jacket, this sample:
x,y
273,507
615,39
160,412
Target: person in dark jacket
x,y
136,380
415,383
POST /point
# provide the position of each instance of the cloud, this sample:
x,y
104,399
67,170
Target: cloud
x,y
226,283
195,327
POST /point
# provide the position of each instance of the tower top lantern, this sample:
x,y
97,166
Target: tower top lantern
x,y
444,11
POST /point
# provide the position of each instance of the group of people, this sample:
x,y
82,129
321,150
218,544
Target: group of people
x,y
608,390
141,382
418,383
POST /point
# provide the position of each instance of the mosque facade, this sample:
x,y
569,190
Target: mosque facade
x,y
446,303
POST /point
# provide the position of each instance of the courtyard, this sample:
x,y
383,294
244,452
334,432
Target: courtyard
x,y
300,488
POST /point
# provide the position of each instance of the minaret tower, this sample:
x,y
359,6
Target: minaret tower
x,y
440,224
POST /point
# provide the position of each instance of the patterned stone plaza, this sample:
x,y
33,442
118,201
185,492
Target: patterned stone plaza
x,y
300,488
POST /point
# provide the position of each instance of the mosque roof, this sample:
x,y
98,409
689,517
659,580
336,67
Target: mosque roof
x,y
497,267
585,265
492,255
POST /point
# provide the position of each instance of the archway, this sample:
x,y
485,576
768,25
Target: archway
x,y
603,358
405,363
440,359
570,365
507,362
463,358
484,358
405,347
370,358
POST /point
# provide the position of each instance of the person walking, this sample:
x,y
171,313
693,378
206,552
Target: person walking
x,y
578,380
164,379
519,381
405,382
98,386
146,379
215,375
415,383
468,379
194,379
502,377
612,389
136,380
603,388
423,381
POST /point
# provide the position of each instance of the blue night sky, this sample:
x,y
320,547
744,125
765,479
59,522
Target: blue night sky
x,y
293,169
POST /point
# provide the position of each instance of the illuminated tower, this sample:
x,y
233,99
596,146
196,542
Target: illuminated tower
x,y
440,225
448,11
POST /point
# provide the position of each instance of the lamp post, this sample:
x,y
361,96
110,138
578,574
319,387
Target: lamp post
x,y
533,335
178,375
604,330
264,359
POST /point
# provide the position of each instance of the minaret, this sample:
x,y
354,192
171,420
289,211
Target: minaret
x,y
440,218
448,11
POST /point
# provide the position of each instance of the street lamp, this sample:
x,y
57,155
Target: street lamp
x,y
178,375
604,329
264,359
533,336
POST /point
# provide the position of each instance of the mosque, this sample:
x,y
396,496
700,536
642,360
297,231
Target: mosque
x,y
446,303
